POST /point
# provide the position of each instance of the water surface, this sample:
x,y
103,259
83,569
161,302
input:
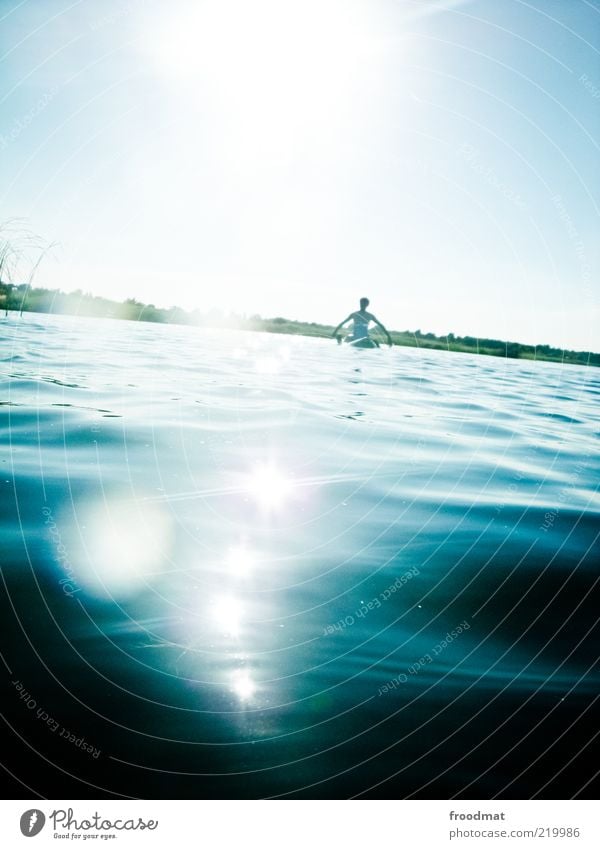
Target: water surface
x,y
247,565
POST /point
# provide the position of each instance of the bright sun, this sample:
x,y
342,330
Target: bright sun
x,y
268,63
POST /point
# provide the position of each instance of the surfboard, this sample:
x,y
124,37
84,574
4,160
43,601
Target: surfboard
x,y
365,342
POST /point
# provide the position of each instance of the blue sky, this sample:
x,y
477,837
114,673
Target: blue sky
x,y
286,158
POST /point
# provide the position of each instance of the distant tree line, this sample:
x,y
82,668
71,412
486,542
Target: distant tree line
x,y
24,297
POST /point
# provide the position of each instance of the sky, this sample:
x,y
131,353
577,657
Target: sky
x,y
287,157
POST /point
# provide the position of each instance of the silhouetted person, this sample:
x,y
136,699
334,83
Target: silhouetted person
x,y
360,328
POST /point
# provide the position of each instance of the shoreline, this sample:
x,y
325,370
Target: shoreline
x,y
132,310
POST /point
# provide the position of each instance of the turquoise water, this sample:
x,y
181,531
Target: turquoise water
x,y
247,565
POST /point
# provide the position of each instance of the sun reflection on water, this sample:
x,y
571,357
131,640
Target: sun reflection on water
x,y
240,561
267,365
269,487
243,685
227,613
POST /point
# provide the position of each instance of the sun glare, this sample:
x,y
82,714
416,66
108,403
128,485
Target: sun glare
x,y
227,613
243,685
269,487
240,561
271,66
245,43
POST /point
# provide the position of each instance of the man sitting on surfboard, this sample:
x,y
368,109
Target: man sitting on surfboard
x,y
360,327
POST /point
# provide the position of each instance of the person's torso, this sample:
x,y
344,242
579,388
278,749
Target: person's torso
x,y
360,327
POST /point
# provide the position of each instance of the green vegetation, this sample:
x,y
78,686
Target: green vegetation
x,y
25,297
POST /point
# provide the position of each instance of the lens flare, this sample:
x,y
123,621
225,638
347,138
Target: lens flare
x,y
116,545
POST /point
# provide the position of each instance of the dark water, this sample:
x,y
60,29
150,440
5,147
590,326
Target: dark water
x,y
242,565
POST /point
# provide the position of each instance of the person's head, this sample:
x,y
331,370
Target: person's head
x,y
364,303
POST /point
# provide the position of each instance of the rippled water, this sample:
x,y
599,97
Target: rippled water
x,y
247,565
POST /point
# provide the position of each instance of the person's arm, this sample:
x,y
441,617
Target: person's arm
x,y
379,324
340,325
